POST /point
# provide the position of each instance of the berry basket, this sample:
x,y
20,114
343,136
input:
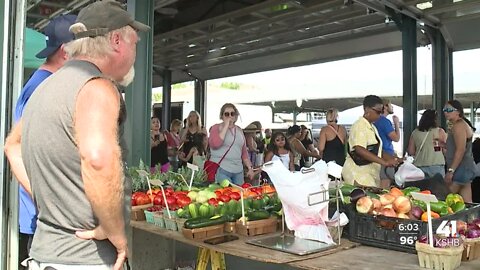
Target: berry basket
x,y
472,249
438,258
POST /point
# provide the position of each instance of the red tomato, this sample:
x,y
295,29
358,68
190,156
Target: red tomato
x,y
171,201
246,185
158,200
136,194
224,198
169,191
183,201
213,202
227,192
143,199
235,196
133,202
218,193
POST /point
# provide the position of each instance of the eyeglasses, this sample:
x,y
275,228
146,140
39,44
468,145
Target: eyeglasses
x,y
280,139
448,109
227,114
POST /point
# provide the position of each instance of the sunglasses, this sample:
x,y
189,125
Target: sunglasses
x,y
227,114
448,109
377,111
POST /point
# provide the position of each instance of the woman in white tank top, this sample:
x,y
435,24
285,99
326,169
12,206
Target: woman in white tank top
x,y
279,149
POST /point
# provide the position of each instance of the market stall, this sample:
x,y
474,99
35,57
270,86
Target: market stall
x,y
225,219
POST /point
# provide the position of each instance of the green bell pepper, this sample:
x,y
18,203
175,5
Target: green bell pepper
x,y
409,190
453,198
439,207
458,206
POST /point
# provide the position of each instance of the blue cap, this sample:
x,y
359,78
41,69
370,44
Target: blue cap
x,y
57,33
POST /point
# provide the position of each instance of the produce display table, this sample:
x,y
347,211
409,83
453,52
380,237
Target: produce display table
x,y
238,247
364,257
348,255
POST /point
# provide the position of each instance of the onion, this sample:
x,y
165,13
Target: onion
x,y
416,212
475,233
402,205
364,205
357,194
387,199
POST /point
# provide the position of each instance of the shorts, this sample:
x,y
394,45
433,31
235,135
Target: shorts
x,y
431,171
34,265
463,176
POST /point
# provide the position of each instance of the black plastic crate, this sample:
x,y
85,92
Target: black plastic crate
x,y
386,232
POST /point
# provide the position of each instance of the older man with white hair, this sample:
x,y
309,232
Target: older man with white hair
x,y
66,150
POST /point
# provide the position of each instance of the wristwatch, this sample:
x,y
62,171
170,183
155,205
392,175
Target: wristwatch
x,y
451,170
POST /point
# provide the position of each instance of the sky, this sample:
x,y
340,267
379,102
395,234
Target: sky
x,y
375,74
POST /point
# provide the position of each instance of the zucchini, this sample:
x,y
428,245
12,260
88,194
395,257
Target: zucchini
x,y
257,215
200,222
347,189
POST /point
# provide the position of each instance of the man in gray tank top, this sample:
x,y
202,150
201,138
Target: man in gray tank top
x,y
66,149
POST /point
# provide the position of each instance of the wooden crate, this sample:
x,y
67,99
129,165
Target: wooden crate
x,y
257,227
203,233
230,227
439,258
472,249
137,213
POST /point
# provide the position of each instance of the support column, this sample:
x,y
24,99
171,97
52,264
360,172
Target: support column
x,y
200,100
12,23
441,74
409,48
451,87
138,96
166,99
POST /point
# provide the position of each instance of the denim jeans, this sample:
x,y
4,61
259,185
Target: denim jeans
x,y
236,178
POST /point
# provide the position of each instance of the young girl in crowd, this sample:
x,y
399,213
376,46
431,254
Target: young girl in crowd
x,y
279,149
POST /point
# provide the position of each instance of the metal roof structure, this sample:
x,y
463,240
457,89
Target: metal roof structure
x,y
211,39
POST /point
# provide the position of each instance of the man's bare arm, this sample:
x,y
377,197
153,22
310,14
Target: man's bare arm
x,y
95,122
13,151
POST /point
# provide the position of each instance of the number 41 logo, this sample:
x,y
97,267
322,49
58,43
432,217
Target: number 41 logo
x,y
447,228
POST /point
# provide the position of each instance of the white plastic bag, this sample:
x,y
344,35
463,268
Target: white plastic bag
x,y
294,190
407,172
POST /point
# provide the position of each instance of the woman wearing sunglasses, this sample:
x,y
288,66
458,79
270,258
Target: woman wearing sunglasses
x,y
362,165
228,147
279,149
459,157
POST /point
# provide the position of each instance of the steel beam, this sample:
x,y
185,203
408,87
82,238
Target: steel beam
x,y
138,96
166,99
409,49
440,77
200,98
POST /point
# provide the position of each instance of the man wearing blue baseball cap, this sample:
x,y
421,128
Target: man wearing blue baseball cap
x,y
56,34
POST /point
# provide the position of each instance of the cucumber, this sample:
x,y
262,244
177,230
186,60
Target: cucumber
x,y
372,195
200,222
192,208
204,210
257,215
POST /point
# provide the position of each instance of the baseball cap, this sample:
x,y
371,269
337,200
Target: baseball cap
x,y
56,34
104,16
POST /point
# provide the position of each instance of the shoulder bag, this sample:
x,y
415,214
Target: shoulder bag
x,y
211,167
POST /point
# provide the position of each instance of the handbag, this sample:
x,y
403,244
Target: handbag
x,y
360,161
211,167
